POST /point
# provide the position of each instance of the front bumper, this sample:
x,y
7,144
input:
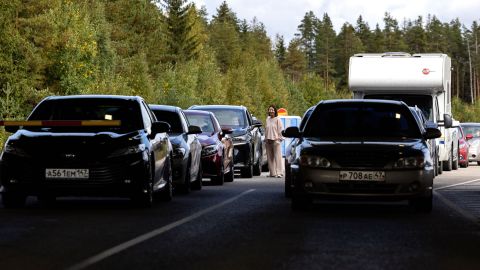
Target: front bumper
x,y
398,184
242,154
120,177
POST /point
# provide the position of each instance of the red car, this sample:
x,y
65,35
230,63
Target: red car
x,y
217,148
463,148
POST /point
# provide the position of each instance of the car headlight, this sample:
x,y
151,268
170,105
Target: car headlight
x,y
210,150
15,150
179,152
314,161
409,163
130,150
241,138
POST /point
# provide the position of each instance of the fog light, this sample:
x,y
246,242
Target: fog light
x,y
127,181
413,187
13,181
308,184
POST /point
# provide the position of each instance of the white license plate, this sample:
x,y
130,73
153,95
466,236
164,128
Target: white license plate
x,y
362,176
66,173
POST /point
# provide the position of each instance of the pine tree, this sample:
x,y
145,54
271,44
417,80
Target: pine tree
x,y
295,62
393,35
363,31
280,50
325,50
348,44
415,36
307,38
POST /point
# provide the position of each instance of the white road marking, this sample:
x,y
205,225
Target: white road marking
x,y
466,214
137,240
457,184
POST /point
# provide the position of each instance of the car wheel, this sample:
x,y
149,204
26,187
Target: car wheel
x,y
185,188
288,187
440,167
247,172
197,185
166,194
423,204
229,177
220,178
455,162
257,170
447,166
144,197
13,200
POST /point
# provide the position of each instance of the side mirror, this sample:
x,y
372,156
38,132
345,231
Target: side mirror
x,y
194,130
257,123
469,137
160,127
432,133
447,121
292,132
227,130
11,129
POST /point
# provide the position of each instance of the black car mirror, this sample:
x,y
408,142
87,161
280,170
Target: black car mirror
x,y
227,131
292,132
160,127
257,123
432,133
194,129
11,129
447,121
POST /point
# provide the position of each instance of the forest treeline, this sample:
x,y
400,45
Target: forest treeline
x,y
173,52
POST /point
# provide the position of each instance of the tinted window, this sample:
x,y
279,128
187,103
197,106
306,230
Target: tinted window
x,y
127,111
170,117
203,121
361,120
423,102
229,118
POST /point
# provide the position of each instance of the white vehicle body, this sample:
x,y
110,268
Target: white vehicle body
x,y
423,80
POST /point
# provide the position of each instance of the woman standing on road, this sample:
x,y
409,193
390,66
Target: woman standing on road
x,y
273,137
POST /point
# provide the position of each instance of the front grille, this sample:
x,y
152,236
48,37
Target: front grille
x,y
363,159
361,188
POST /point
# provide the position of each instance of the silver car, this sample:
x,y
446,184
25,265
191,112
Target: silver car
x,y
472,133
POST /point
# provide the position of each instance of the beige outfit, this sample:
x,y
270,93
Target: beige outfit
x,y
273,139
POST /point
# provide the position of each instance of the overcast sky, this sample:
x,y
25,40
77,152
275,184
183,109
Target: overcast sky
x,y
283,16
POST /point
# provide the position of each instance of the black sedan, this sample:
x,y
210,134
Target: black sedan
x,y
187,166
362,149
87,146
246,136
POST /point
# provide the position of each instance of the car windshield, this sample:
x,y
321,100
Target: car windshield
x,y
423,102
229,118
474,130
340,121
203,121
127,111
171,118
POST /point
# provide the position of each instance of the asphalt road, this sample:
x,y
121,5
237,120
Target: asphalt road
x,y
247,224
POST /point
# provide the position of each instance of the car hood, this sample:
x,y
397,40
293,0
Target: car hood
x,y
239,132
207,139
45,143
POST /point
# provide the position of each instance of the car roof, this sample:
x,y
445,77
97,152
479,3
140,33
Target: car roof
x,y
166,108
374,101
136,98
199,107
197,112
470,124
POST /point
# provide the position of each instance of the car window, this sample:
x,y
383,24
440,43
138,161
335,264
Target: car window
x,y
202,121
230,118
127,111
474,130
147,120
171,118
354,120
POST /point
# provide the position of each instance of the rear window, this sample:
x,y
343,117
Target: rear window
x,y
474,130
127,111
424,102
353,120
229,118
203,121
171,118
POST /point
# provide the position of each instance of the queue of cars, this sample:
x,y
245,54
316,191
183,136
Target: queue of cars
x,y
107,145
103,145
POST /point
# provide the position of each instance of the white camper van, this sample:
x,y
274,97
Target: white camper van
x,y
419,79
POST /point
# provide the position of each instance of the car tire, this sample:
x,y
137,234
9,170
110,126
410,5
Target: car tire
x,y
440,167
230,176
247,172
185,188
144,197
166,194
455,162
197,185
288,184
257,169
422,204
13,200
447,166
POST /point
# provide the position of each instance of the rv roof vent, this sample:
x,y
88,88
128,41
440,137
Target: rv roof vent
x,y
396,54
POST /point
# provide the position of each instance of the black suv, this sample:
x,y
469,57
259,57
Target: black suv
x,y
246,136
89,145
